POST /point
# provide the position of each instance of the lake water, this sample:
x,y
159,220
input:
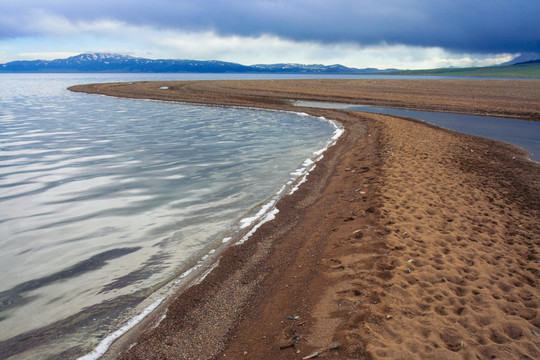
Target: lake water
x,y
104,200
525,134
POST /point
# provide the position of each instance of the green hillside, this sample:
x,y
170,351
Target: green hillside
x,y
531,70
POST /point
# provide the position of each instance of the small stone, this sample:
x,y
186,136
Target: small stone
x,y
312,355
286,344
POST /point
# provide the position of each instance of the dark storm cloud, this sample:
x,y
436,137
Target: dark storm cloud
x,y
489,26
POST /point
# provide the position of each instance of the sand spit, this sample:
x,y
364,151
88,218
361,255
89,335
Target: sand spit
x,y
407,241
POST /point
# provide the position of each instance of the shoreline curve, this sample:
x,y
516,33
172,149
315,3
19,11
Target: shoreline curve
x,y
407,240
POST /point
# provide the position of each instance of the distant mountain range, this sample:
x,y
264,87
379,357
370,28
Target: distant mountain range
x,y
105,62
527,64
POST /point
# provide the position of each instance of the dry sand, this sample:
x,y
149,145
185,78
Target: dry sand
x,y
407,242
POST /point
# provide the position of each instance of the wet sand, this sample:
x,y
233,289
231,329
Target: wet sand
x,y
407,241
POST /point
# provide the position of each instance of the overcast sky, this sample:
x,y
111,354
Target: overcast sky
x,y
359,33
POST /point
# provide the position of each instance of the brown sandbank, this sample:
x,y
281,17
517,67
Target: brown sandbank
x,y
407,242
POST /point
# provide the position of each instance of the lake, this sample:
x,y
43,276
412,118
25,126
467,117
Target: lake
x,y
525,134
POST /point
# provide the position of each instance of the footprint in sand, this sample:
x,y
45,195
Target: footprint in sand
x,y
335,264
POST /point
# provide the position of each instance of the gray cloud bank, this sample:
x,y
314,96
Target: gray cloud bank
x,y
481,26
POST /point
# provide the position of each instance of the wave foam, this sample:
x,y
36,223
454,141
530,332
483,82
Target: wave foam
x,y
268,211
104,345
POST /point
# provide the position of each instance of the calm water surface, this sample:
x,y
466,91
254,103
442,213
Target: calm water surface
x,y
525,134
104,199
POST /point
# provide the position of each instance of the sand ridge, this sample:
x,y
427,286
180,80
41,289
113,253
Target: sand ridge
x,y
407,242
464,250
518,99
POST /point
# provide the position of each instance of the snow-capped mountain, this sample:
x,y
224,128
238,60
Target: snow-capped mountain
x,y
107,62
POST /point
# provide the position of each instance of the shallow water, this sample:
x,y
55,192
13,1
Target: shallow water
x,y
525,134
102,200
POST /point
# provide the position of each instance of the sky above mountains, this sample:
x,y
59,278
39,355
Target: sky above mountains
x,y
358,33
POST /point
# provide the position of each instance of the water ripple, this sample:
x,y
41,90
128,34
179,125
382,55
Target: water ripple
x,y
101,198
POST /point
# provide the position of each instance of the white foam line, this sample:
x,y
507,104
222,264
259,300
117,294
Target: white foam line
x,y
163,317
104,345
308,164
282,189
187,272
206,273
269,217
245,222
198,265
303,180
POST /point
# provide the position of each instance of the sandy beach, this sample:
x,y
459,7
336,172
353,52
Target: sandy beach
x,y
407,241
